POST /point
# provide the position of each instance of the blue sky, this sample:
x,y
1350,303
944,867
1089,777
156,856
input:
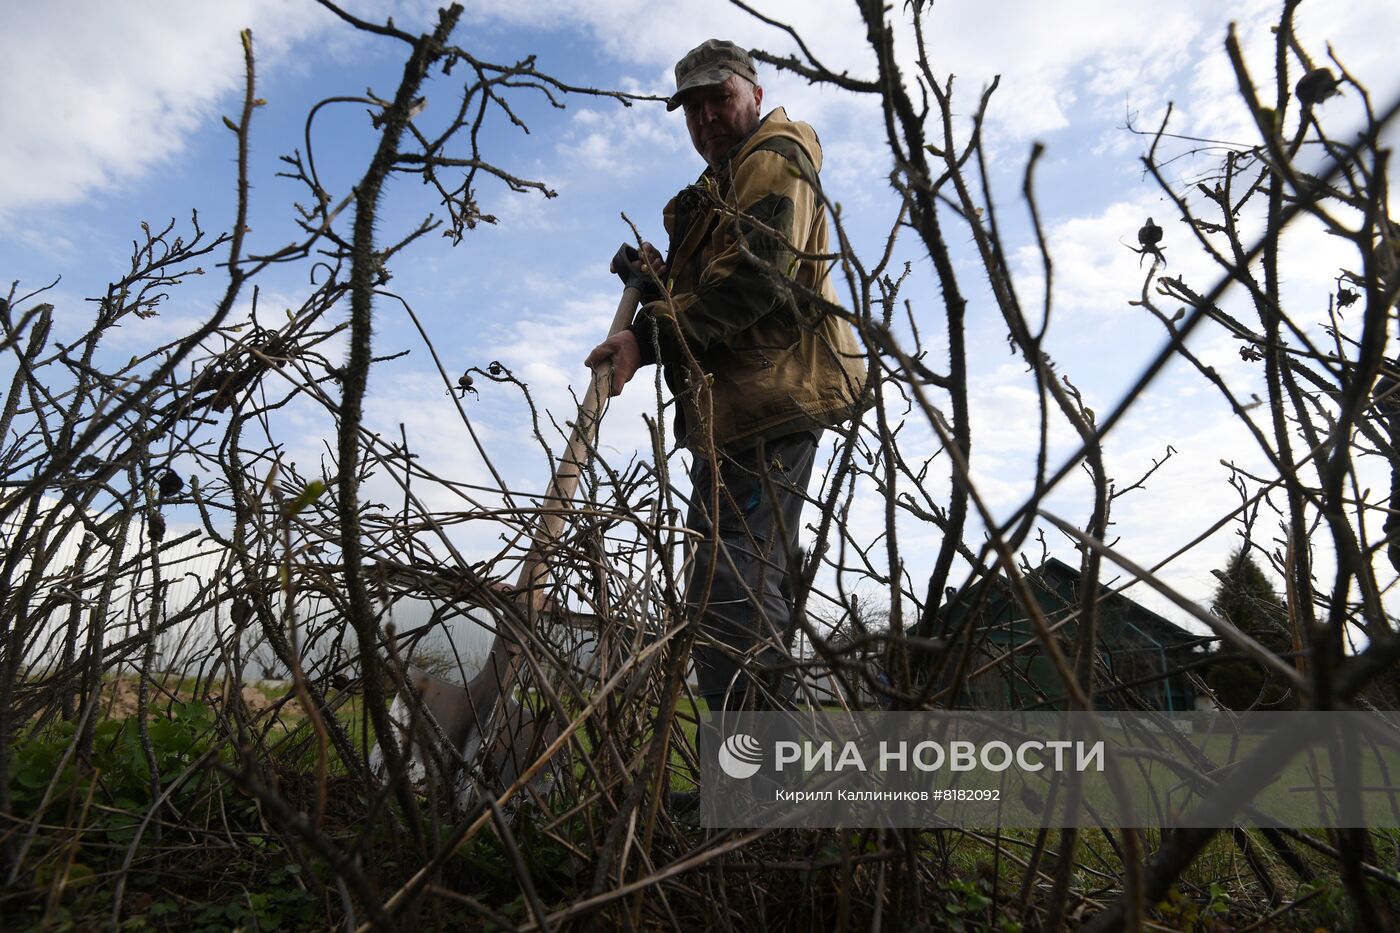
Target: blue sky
x,y
116,118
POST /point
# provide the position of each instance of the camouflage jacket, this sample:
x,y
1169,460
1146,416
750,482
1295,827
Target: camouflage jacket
x,y
747,348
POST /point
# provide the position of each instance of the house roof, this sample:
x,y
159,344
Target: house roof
x,y
1153,624
1122,609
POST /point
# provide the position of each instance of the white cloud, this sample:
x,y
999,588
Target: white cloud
x,y
1097,270
617,141
1214,109
96,96
120,93
1187,495
1049,54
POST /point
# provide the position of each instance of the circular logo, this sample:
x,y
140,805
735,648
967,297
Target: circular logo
x,y
740,756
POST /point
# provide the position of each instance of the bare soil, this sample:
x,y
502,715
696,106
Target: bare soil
x,y
121,698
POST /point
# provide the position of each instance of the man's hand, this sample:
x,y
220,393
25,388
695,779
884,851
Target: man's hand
x,y
652,257
622,352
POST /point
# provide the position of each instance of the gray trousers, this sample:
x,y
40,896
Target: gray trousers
x,y
738,582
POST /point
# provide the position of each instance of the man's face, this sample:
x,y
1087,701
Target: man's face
x,y
720,115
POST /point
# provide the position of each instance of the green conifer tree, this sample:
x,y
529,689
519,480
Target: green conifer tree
x,y
1245,598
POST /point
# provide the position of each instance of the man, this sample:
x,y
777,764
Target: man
x,y
756,361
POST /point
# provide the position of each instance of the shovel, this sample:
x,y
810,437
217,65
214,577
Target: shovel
x,y
478,716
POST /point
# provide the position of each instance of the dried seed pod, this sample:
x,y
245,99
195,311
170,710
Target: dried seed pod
x,y
1149,234
169,483
1150,239
1316,86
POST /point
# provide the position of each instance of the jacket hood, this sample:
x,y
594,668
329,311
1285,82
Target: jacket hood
x,y
777,125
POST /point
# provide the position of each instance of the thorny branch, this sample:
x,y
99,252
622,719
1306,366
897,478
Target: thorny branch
x,y
162,555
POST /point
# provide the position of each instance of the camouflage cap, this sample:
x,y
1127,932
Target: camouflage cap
x,y
710,62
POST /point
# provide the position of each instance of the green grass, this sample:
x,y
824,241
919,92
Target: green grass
x,y
180,883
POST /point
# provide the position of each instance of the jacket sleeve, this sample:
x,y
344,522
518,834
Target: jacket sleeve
x,y
749,260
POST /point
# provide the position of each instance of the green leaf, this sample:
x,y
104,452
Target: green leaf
x,y
308,495
31,778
